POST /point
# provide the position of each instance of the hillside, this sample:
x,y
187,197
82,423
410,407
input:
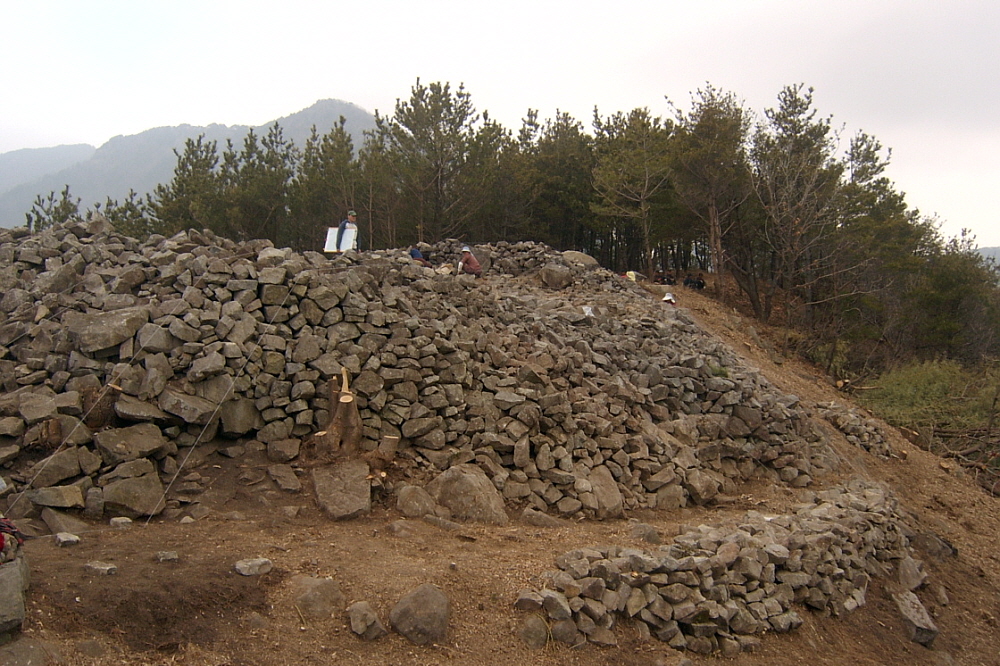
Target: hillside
x,y
140,162
668,441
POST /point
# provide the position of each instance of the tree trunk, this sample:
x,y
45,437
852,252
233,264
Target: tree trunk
x,y
342,436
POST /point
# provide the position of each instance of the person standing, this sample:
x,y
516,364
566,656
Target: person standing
x,y
350,224
469,264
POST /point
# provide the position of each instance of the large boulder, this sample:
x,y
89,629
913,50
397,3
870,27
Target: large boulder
x,y
344,490
317,598
190,408
59,466
134,497
94,332
469,494
12,585
124,444
610,503
422,616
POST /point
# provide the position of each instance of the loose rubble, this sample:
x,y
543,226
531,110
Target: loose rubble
x,y
715,587
858,429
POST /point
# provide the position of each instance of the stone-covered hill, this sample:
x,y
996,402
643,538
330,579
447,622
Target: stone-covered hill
x,y
550,374
551,387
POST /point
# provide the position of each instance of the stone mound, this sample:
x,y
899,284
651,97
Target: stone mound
x,y
574,400
550,386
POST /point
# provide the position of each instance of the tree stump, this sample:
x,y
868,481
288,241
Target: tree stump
x,y
342,435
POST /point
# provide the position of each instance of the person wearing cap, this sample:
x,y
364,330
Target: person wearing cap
x,y
469,264
350,223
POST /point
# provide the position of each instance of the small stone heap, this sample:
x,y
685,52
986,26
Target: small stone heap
x,y
859,430
715,588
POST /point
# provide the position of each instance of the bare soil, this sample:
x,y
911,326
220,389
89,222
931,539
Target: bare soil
x,y
199,611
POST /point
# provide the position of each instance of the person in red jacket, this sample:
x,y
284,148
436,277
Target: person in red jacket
x,y
469,264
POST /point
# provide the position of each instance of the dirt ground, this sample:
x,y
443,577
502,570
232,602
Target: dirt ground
x,y
198,611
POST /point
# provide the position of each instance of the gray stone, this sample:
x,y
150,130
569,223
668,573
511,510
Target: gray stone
x,y
702,486
565,631
190,408
469,494
285,478
206,366
283,450
918,621
529,600
316,598
63,497
603,636
911,574
343,490
507,399
238,417
11,426
100,568
64,539
414,428
365,621
94,332
124,444
422,616
154,338
580,259
256,566
59,466
555,276
538,519
556,605
609,498
12,586
131,408
414,502
57,521
139,496
8,453
534,632
34,408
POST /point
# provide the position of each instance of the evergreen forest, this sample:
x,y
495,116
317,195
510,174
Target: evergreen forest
x,y
796,222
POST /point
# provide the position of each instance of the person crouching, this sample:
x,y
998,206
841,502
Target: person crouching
x,y
469,264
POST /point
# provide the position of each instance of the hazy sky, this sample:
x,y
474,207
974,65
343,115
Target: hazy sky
x,y
920,75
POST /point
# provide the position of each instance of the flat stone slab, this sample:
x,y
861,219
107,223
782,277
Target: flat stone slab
x,y
918,621
343,490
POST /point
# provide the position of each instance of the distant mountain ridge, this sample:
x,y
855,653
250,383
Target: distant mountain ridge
x,y
23,166
142,161
991,253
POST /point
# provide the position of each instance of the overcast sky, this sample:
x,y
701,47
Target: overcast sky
x,y
920,75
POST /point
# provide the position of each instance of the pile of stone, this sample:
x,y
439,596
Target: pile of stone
x,y
575,391
858,429
716,587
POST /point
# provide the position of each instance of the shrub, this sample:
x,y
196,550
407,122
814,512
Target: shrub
x,y
935,394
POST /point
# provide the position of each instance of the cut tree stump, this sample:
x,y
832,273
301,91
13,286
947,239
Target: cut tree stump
x,y
342,435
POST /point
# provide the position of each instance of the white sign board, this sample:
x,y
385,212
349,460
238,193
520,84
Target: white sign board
x,y
349,241
331,240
